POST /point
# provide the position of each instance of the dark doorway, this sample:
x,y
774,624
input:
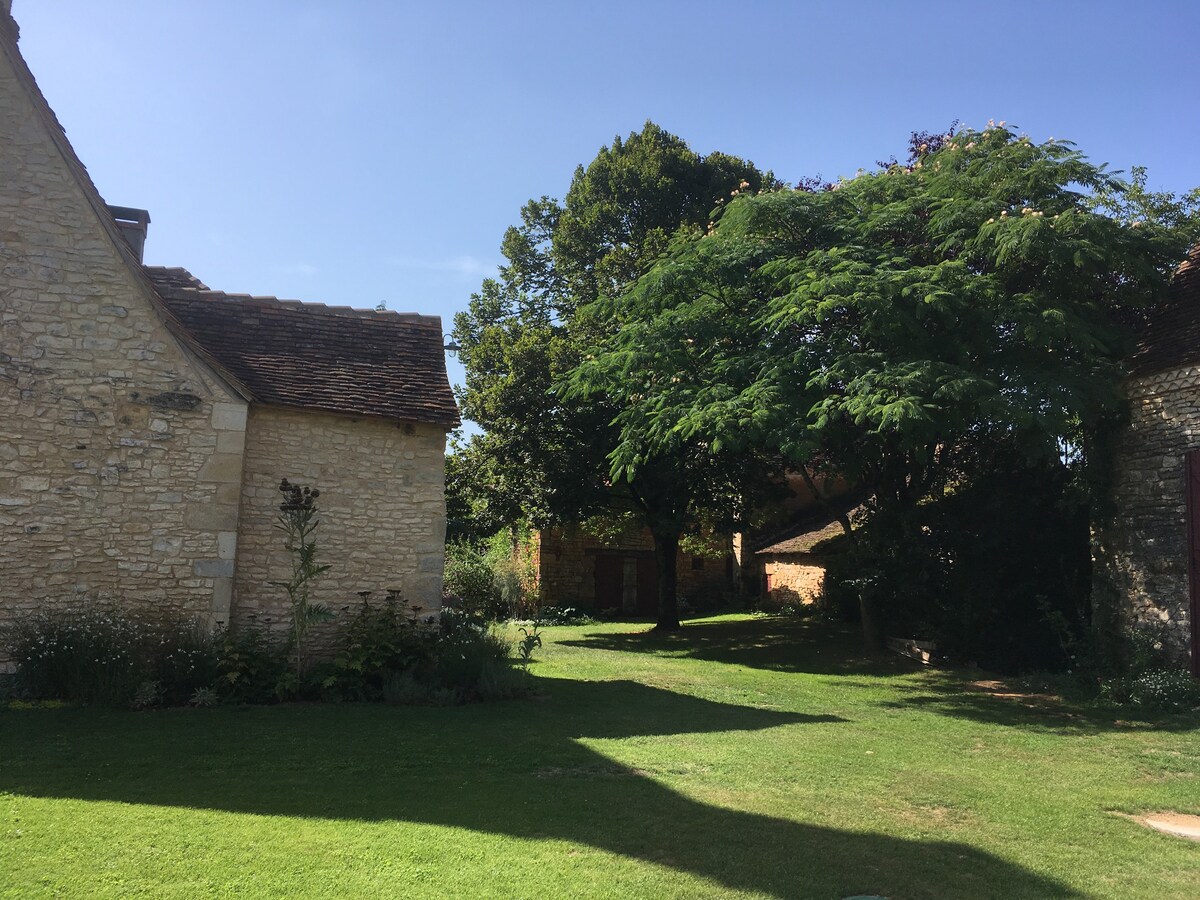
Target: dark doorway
x,y
610,582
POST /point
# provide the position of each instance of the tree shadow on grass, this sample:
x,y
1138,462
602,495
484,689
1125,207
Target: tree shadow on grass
x,y
787,644
776,643
995,701
515,769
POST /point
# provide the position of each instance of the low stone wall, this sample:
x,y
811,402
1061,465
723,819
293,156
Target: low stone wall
x,y
1144,551
382,510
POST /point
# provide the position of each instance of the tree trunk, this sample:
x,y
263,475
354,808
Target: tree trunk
x,y
666,554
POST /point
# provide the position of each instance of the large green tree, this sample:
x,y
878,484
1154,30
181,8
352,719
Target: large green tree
x,y
545,450
889,324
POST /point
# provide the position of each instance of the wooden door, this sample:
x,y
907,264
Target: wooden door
x,y
1192,465
610,582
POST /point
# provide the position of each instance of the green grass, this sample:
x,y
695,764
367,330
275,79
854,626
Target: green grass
x,y
741,757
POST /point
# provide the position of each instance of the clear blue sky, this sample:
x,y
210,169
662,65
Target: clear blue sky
x,y
358,152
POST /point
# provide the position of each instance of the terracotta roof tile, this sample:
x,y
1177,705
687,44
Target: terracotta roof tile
x,y
1170,339
313,356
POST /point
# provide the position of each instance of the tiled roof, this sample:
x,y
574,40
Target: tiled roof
x,y
312,356
1170,339
806,535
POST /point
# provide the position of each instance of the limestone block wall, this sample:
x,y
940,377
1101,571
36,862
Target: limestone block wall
x,y
1144,551
120,452
382,509
791,577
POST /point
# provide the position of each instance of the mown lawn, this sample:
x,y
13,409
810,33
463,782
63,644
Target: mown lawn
x,y
743,757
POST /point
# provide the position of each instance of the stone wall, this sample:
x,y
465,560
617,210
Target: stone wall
x,y
120,452
793,577
382,509
1144,551
566,564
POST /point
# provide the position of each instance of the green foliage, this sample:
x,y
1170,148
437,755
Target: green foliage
x,y
495,578
470,578
253,664
563,615
95,656
1157,691
387,653
377,641
204,698
107,657
543,453
298,521
87,655
1149,680
470,661
510,555
891,329
187,660
147,696
531,639
996,571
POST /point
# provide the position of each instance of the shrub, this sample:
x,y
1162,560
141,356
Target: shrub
x,y
252,665
563,615
204,698
495,579
387,653
148,695
95,655
510,554
86,654
377,642
1157,691
471,660
1149,680
188,660
468,577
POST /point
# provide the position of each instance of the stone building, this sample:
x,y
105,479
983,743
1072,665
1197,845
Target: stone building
x,y
146,421
576,568
791,565
777,562
1151,552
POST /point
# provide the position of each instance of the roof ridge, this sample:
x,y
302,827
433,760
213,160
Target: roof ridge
x,y
303,305
213,295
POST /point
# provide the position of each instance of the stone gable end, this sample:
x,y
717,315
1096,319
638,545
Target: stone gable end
x,y
120,452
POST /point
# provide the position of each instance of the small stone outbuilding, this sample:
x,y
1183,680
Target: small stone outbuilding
x,y
1150,553
791,566
146,420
